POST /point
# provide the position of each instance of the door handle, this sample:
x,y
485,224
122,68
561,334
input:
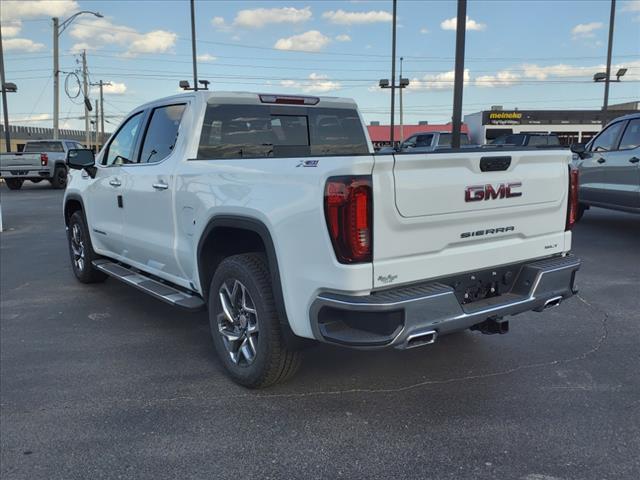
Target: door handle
x,y
634,159
160,186
115,182
601,160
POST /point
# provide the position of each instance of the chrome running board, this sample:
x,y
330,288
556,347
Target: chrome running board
x,y
162,291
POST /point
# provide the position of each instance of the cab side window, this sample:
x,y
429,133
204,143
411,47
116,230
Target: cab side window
x,y
631,136
162,133
608,139
424,140
122,147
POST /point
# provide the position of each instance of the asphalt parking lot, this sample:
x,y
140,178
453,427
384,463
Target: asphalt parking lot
x,y
102,381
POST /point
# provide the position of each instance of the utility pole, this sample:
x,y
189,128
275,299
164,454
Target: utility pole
x,y
96,120
101,84
401,89
85,89
56,80
612,17
393,75
5,109
193,46
461,27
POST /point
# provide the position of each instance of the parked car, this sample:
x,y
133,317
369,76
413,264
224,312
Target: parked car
x,y
261,209
40,160
431,141
527,139
609,167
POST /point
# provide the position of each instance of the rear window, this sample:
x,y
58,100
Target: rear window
x,y
445,139
36,147
239,131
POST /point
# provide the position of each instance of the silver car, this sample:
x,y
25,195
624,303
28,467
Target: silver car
x,y
609,167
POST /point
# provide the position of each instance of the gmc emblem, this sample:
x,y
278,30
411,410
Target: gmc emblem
x,y
475,193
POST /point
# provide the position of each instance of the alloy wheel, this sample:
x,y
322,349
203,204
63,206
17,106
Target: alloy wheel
x,y
238,322
77,247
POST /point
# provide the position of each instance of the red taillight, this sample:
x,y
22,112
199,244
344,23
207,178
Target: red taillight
x,y
348,208
44,159
572,207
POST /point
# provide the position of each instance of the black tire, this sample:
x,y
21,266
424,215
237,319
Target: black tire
x,y
14,183
59,179
581,209
84,270
36,180
272,362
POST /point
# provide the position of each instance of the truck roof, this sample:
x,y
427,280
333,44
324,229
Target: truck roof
x,y
253,98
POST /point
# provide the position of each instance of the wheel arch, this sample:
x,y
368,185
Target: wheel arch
x,y
227,235
72,204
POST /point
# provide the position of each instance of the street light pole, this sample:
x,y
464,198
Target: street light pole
x,y
56,79
58,28
193,46
461,27
393,75
5,109
612,16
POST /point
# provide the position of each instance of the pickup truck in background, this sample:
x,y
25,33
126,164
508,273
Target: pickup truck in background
x,y
40,160
609,167
531,139
273,212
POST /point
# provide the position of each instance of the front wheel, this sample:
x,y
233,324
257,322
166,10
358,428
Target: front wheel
x,y
14,183
81,251
245,325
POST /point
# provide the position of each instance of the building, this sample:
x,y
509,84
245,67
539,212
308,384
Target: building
x,y
571,126
380,134
20,135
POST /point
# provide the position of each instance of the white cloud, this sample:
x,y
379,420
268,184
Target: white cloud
x,y
12,28
114,89
317,83
424,30
586,30
99,32
206,57
504,78
452,23
22,45
630,6
217,21
562,70
343,38
15,9
38,117
351,18
260,17
439,81
311,41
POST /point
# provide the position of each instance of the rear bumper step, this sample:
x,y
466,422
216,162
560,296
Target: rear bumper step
x,y
155,288
416,315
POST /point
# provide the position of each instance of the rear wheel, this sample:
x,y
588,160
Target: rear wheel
x,y
245,325
81,251
59,179
14,183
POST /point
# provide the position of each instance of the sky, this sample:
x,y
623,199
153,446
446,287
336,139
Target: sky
x,y
532,54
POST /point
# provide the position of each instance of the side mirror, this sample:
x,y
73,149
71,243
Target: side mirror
x,y
408,145
579,149
82,159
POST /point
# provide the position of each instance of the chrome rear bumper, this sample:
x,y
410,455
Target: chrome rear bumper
x,y
417,314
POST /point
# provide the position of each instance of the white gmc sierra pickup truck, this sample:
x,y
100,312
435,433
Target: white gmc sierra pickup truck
x,y
274,213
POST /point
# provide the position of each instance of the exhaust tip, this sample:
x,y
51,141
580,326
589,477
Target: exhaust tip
x,y
420,339
552,302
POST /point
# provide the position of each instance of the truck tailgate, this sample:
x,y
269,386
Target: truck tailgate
x,y
439,214
20,161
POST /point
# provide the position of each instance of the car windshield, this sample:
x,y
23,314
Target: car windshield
x,y
239,131
36,147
